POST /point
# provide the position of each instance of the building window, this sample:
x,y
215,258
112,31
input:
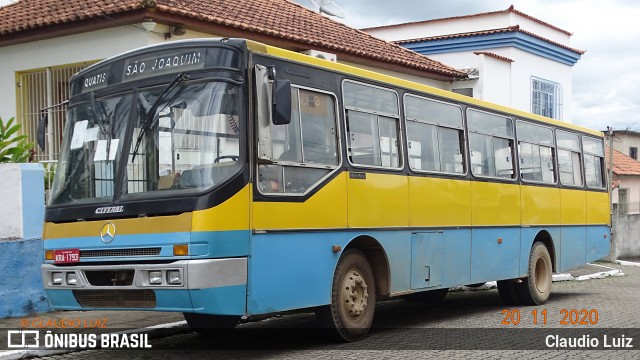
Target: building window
x,y
633,152
546,98
623,201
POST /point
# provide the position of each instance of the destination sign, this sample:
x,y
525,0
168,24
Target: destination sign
x,y
162,62
96,79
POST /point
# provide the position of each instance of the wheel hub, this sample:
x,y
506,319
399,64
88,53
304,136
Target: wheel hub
x,y
542,275
354,294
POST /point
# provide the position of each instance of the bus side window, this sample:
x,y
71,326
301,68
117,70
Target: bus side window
x,y
593,162
491,144
569,165
305,150
373,125
435,134
535,143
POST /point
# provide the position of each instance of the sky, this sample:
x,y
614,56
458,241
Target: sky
x,y
606,80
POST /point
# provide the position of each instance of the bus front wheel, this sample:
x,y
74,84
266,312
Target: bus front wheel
x,y
353,298
536,288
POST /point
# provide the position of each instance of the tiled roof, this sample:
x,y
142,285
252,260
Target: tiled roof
x,y
493,55
511,9
622,164
515,28
294,25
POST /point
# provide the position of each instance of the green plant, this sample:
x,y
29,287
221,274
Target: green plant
x,y
14,148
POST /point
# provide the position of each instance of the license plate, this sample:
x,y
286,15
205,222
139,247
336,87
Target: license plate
x,y
66,256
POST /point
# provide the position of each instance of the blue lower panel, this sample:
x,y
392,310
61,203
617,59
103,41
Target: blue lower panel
x,y
295,270
227,300
495,254
573,247
598,243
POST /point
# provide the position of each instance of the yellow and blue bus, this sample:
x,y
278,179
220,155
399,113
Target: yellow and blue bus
x,y
228,179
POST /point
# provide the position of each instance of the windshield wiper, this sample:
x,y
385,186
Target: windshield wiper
x,y
150,116
99,120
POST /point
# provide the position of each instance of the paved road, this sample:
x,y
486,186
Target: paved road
x,y
464,320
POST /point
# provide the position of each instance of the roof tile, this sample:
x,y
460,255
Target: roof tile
x,y
622,164
278,18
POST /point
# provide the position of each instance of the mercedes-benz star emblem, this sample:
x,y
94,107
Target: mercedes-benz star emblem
x,y
108,233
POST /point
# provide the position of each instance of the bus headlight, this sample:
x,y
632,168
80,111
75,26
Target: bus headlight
x,y
173,277
72,279
56,278
155,277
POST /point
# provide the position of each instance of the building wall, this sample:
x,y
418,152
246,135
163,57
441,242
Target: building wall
x,y
22,189
622,142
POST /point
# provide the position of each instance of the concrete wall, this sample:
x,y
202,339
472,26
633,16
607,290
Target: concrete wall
x,y
625,236
21,219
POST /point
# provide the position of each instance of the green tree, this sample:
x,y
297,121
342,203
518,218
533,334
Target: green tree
x,y
14,148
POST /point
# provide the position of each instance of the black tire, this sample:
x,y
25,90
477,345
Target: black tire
x,y
508,291
431,296
353,298
206,324
536,288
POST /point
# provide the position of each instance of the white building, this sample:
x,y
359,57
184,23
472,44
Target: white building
x,y
512,58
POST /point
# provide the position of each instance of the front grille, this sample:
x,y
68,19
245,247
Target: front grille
x,y
110,277
154,251
116,298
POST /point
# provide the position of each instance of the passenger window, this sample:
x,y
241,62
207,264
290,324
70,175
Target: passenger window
x,y
305,150
435,135
593,162
535,143
490,144
569,158
373,125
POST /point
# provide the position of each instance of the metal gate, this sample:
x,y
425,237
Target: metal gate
x,y
40,89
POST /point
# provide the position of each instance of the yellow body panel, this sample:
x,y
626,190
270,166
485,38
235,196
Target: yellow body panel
x,y
598,208
439,202
495,204
325,209
540,205
574,207
232,214
380,200
143,225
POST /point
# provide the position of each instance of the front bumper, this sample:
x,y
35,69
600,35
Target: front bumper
x,y
211,286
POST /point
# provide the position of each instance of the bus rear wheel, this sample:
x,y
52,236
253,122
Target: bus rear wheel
x,y
353,298
206,324
536,288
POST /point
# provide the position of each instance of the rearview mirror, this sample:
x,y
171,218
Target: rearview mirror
x,y
42,129
281,102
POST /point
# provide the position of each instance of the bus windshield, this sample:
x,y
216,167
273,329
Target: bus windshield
x,y
186,141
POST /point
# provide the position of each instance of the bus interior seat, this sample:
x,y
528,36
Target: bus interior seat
x,y
190,178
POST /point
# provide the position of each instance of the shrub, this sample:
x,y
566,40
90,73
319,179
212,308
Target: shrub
x,y
14,148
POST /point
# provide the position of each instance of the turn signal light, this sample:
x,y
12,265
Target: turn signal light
x,y
49,255
180,250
